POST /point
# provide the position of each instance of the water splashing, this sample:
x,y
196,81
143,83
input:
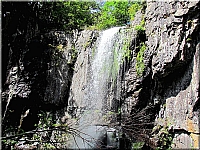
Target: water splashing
x,y
92,122
100,70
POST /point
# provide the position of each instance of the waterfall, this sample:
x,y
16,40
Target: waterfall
x,y
101,69
105,65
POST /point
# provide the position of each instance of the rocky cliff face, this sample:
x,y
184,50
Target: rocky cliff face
x,y
39,78
173,44
46,71
171,76
85,47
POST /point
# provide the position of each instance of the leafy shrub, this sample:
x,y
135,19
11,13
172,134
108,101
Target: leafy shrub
x,y
140,28
133,9
140,59
137,145
117,13
66,15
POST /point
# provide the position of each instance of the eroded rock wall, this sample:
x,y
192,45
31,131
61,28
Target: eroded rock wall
x,y
60,68
45,72
170,80
85,47
171,75
173,39
38,78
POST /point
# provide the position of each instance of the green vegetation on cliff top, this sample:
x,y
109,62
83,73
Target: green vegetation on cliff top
x,y
70,15
75,15
116,13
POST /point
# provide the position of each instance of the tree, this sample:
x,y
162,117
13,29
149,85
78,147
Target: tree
x,y
113,13
133,9
67,15
117,13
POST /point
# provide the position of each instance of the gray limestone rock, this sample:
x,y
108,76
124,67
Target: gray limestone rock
x,y
173,43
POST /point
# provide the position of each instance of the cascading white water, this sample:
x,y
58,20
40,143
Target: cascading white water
x,y
101,69
92,122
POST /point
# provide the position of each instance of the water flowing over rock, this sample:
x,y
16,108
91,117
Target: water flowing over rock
x,y
89,81
91,104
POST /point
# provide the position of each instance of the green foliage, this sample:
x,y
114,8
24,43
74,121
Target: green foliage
x,y
117,13
125,48
9,142
47,126
87,43
115,65
66,15
119,111
140,56
137,145
133,9
69,15
108,15
45,120
58,52
74,53
140,28
140,59
142,23
188,40
110,115
165,137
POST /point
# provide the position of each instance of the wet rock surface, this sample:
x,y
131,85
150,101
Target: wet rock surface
x,y
173,43
46,71
170,80
85,48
